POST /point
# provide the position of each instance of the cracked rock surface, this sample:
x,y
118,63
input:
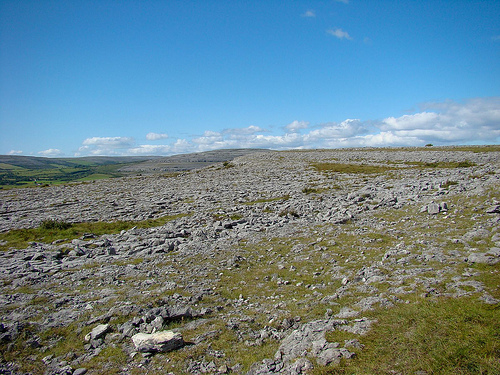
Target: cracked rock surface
x,y
261,261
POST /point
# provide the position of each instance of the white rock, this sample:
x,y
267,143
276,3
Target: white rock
x,y
98,332
163,341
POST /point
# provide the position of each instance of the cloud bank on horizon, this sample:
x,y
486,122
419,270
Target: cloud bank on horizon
x,y
475,121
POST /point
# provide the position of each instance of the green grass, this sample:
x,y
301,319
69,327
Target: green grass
x,y
475,149
441,336
350,168
51,230
96,176
11,176
310,190
437,335
64,340
54,225
441,164
447,184
108,361
10,167
19,349
266,200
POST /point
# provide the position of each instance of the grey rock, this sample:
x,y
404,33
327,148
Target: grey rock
x,y
359,327
77,251
157,323
495,251
483,258
346,312
297,343
38,256
98,332
205,336
367,303
489,299
328,356
353,343
266,366
493,209
433,208
300,366
475,234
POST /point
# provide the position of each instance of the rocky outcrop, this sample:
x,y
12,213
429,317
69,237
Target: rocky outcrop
x,y
269,252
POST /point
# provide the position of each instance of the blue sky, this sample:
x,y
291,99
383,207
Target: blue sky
x,y
128,77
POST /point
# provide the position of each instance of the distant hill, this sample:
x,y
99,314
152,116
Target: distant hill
x,y
21,171
184,162
35,162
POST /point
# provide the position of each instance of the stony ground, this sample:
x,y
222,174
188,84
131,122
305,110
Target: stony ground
x,y
261,259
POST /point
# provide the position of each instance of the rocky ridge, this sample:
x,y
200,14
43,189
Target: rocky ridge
x,y
267,254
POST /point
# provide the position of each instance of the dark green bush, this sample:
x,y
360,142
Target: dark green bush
x,y
50,224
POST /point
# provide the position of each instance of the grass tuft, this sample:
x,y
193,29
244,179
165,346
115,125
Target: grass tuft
x,y
442,336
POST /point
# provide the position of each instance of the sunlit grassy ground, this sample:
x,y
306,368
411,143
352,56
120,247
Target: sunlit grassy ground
x,y
52,230
438,336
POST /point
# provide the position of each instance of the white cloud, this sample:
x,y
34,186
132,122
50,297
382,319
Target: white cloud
x,y
180,146
475,120
339,33
109,142
449,122
495,38
295,126
328,131
209,138
342,1
310,13
150,150
51,152
252,129
278,142
418,120
15,152
156,136
106,146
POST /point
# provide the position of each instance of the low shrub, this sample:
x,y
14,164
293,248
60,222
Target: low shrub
x,y
51,224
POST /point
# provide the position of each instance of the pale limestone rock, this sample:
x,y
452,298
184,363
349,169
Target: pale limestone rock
x,y
163,341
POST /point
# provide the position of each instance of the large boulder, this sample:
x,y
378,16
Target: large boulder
x,y
164,341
